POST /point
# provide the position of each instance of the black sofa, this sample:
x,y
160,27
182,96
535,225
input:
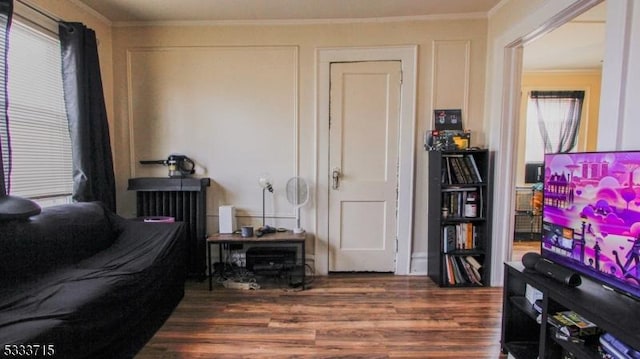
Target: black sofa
x,y
87,283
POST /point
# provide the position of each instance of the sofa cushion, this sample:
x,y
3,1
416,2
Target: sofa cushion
x,y
59,236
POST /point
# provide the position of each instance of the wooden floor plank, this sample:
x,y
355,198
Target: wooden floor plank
x,y
339,316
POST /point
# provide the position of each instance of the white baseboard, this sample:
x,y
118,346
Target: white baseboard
x,y
419,263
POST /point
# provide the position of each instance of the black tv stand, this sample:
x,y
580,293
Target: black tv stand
x,y
523,337
620,292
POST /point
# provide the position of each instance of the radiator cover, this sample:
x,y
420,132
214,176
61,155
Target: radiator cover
x,y
185,199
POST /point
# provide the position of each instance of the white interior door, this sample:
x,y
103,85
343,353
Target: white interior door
x,y
363,165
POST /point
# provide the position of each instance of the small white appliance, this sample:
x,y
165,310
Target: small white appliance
x,y
227,219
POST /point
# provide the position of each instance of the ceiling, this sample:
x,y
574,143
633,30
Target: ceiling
x,y
576,45
247,10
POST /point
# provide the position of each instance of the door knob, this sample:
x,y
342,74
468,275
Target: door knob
x,y
335,175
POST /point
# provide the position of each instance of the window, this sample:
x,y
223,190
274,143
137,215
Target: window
x,y
40,142
553,121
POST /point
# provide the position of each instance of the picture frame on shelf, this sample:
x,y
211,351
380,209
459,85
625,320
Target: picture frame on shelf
x,y
448,119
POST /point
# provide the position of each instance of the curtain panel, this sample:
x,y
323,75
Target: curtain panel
x,y
93,176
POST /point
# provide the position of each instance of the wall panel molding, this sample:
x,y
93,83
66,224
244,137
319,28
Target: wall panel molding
x,y
451,66
233,109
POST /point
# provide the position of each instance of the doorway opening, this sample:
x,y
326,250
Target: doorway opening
x,y
505,96
551,86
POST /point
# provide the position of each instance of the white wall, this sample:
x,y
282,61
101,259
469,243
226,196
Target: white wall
x,y
620,107
220,107
241,100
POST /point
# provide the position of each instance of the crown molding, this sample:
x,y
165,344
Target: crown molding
x,y
292,22
86,8
496,7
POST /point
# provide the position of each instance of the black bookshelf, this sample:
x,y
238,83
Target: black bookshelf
x,y
523,336
456,234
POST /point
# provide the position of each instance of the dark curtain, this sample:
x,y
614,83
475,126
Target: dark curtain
x,y
6,12
93,177
568,106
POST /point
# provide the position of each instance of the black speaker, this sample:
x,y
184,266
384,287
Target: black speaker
x,y
530,259
557,272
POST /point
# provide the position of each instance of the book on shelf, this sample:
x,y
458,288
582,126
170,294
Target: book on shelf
x,y
466,171
445,172
474,167
470,273
477,275
450,275
455,204
473,262
572,324
472,174
456,174
456,270
448,171
475,266
443,175
449,235
457,170
467,235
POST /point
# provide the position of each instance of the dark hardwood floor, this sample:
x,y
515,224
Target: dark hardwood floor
x,y
339,316
522,247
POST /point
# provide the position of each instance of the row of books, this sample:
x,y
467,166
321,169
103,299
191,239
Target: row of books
x,y
454,200
463,270
460,169
460,236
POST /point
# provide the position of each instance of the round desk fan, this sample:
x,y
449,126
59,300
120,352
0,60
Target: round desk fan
x,y
297,195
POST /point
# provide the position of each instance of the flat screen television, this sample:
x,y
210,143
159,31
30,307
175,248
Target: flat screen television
x,y
591,216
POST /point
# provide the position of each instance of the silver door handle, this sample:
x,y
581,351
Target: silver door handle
x,y
335,175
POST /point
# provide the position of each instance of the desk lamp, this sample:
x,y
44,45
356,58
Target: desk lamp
x,y
265,183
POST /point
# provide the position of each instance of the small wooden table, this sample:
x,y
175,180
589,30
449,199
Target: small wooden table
x,y
287,237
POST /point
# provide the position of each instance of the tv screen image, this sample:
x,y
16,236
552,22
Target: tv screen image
x,y
591,215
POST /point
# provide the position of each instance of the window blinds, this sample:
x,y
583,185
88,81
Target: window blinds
x,y
41,146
